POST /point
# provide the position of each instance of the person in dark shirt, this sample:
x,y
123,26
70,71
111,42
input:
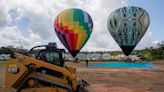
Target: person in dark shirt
x,y
87,61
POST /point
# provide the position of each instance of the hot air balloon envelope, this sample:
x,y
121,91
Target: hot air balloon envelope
x,y
127,26
73,27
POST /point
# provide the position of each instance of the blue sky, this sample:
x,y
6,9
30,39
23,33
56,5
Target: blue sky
x,y
155,8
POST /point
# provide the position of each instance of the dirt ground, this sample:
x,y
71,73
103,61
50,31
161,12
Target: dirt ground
x,y
2,73
122,79
116,79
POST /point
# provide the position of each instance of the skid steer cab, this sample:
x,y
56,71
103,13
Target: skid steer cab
x,y
44,72
50,54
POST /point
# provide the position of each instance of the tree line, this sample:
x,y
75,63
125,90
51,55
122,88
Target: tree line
x,y
150,53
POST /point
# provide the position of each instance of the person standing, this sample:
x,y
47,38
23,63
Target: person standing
x,y
87,62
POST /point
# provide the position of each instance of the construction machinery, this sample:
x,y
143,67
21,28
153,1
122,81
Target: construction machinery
x,y
43,72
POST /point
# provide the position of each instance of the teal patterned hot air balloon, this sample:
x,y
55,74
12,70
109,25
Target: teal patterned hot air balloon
x,y
128,25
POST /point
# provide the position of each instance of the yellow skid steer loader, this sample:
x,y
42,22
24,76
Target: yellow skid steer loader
x,y
44,72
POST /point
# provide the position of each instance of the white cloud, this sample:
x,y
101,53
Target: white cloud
x,y
124,2
5,19
147,40
32,22
12,36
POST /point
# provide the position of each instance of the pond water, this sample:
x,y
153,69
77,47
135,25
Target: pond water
x,y
125,65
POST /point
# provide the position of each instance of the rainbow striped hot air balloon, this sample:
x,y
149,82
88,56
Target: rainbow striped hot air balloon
x,y
73,27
